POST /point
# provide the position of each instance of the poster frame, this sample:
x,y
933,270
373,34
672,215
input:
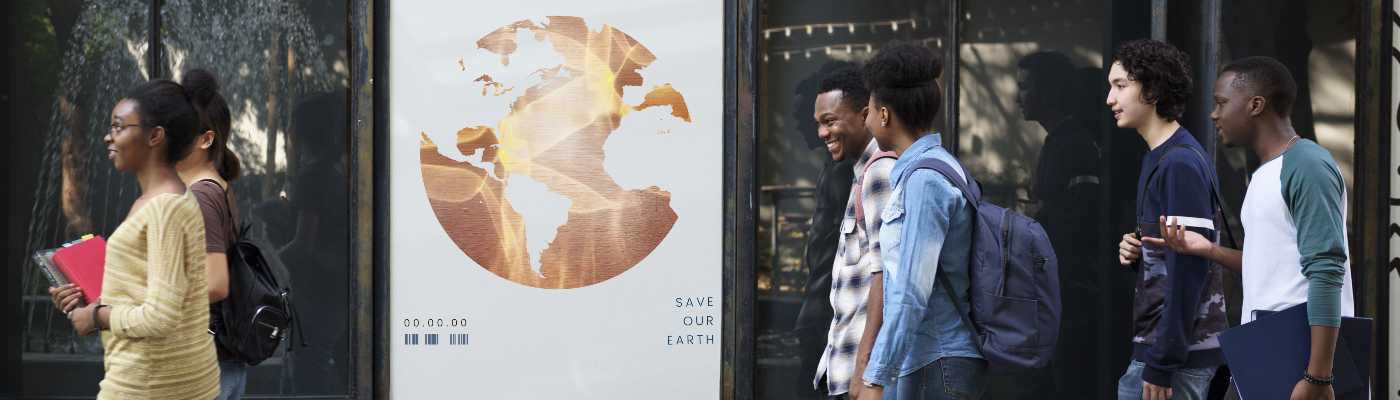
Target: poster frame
x,y
370,48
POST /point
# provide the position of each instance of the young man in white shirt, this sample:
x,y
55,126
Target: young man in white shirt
x,y
1294,215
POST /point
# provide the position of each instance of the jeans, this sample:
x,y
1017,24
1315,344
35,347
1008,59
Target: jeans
x,y
233,376
1023,384
1187,383
948,378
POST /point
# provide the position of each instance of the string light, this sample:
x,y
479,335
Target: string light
x,y
849,48
850,27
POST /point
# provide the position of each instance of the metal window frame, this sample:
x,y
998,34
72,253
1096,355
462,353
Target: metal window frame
x,y
367,308
369,52
1371,201
741,61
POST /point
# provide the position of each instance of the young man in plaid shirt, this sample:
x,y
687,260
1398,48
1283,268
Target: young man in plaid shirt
x,y
855,286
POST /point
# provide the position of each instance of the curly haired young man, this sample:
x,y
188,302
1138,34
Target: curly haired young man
x,y
1179,309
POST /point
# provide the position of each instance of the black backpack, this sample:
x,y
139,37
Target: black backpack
x,y
258,311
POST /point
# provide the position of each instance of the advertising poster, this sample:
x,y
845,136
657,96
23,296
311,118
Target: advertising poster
x,y
556,201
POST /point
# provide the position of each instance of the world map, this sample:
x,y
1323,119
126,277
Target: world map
x,y
528,198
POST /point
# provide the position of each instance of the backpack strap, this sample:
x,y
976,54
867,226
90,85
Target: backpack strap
x,y
228,210
1220,205
856,189
973,194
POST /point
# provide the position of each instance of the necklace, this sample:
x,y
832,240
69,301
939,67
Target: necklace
x,y
1291,141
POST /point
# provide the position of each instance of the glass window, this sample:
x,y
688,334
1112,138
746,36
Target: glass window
x,y
1033,128
283,68
803,192
76,59
284,71
1316,40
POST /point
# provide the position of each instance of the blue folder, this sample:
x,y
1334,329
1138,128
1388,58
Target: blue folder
x,y
1268,356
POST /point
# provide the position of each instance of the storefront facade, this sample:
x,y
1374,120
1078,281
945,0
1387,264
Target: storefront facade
x,y
310,83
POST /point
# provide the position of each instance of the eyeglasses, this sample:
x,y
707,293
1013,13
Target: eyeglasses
x,y
114,128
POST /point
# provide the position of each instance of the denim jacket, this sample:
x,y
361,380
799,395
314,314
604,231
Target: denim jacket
x,y
927,229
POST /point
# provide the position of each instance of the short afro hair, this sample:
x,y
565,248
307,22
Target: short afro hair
x,y
904,77
1054,77
803,102
1162,70
1264,76
852,87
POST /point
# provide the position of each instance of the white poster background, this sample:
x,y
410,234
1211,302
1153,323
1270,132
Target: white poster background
x,y
604,341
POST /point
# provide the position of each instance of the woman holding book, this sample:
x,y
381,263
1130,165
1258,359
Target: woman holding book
x,y
153,312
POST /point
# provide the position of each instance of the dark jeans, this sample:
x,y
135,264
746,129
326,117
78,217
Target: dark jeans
x,y
948,378
1024,384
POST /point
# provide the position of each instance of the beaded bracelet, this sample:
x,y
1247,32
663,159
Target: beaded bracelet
x,y
1318,381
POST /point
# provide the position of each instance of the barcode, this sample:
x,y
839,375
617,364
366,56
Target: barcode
x,y
457,339
433,339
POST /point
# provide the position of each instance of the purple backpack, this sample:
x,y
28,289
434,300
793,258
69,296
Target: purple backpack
x,y
1015,281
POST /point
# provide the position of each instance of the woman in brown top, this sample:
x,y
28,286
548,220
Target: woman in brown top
x,y
207,170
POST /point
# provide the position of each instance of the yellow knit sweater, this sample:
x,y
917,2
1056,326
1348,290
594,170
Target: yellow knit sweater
x,y
158,346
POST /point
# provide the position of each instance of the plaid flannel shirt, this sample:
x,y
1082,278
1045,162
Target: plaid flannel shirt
x,y
857,260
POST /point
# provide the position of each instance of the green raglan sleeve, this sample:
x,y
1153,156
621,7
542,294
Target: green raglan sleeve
x,y
1314,191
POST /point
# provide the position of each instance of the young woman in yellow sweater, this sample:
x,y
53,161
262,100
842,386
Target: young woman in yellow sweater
x,y
153,312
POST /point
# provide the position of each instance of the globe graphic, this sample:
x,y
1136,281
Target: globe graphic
x,y
531,202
